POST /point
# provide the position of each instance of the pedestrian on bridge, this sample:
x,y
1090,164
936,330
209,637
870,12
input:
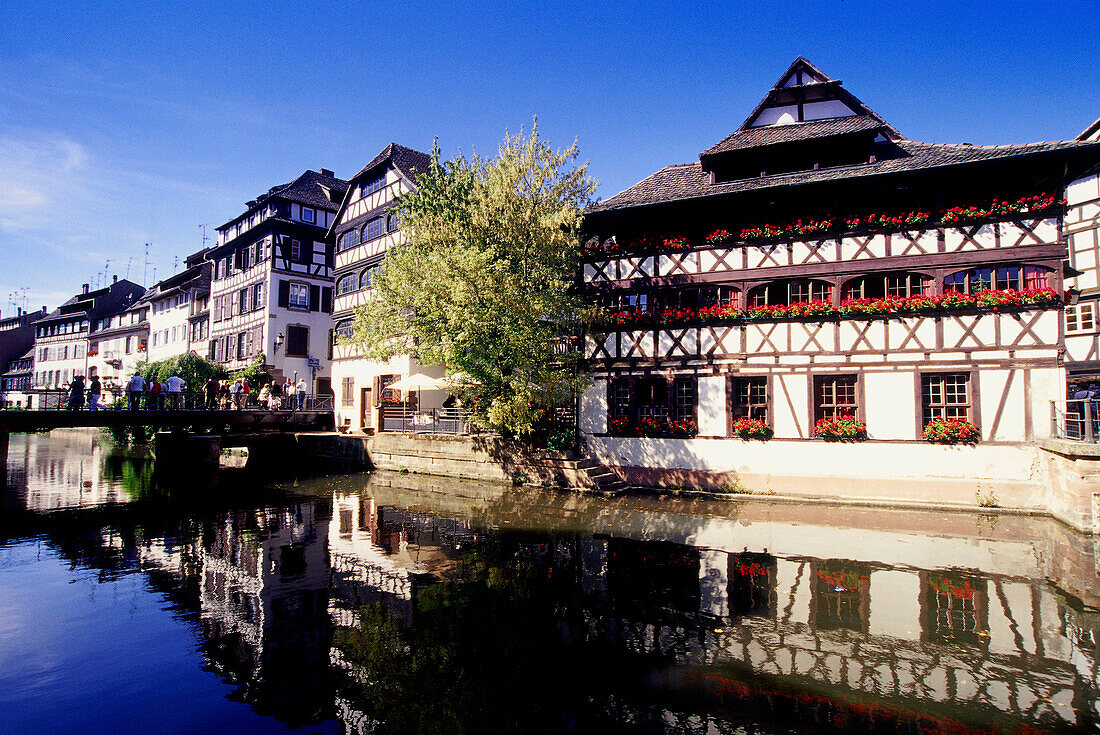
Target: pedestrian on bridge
x,y
174,388
210,393
156,396
95,390
76,393
236,394
300,393
134,389
276,393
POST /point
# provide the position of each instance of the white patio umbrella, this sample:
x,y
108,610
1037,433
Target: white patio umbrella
x,y
418,382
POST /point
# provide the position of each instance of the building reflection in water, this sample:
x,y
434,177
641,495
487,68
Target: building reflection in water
x,y
660,617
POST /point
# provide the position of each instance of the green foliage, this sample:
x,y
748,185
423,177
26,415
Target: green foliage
x,y
194,370
483,284
255,374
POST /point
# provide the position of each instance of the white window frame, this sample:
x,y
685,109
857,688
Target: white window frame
x,y
302,288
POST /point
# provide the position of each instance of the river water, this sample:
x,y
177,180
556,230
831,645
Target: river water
x,y
134,603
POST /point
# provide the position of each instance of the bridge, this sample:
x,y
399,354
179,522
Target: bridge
x,y
246,421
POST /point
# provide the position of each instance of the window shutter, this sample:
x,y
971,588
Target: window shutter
x,y
314,298
326,299
284,294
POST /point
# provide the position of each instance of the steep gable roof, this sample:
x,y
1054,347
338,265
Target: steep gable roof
x,y
803,86
406,160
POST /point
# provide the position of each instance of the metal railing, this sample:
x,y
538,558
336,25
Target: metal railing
x,y
117,398
427,421
1076,419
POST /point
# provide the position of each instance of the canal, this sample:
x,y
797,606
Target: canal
x,y
391,603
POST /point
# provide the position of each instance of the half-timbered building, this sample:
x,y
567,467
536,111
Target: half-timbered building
x,y
818,272
364,229
1082,235
271,286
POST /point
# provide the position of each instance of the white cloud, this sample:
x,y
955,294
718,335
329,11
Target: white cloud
x,y
37,171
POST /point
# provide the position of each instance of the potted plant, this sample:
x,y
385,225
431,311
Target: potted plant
x,y
841,428
951,431
747,428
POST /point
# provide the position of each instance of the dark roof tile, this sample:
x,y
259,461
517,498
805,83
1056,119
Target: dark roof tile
x,y
772,134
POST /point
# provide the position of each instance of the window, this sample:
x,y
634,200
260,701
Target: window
x,y
242,301
347,240
374,228
945,396
347,284
296,250
365,279
299,296
749,398
888,284
1081,317
631,302
782,293
651,398
258,297
347,392
308,215
834,395
129,345
242,345
374,184
297,341
344,328
393,222
694,298
684,399
1014,277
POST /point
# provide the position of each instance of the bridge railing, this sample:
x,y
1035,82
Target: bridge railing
x,y
58,400
1075,419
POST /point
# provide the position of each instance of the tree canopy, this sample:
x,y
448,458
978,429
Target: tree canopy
x,y
483,282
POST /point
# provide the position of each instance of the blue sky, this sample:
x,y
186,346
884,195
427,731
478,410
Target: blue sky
x,y
123,124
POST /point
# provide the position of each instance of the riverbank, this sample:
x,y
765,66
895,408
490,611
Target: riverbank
x,y
1059,480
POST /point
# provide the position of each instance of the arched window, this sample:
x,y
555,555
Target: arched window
x,y
880,285
374,228
365,279
393,222
1016,277
347,240
347,284
782,293
344,328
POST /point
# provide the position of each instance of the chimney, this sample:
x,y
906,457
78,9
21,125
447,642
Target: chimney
x,y
327,172
84,288
114,279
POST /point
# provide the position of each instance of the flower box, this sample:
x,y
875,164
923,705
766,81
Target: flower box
x,y
951,431
747,428
840,428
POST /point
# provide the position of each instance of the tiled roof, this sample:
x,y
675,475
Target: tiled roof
x,y
404,159
769,135
690,181
309,189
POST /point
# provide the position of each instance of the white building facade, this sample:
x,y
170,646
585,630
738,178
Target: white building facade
x,y
271,287
365,228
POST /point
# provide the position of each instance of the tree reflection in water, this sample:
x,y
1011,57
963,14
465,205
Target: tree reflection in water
x,y
492,649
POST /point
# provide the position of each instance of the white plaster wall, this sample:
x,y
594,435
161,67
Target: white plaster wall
x,y
789,400
593,413
1002,405
891,405
895,604
712,405
777,116
1083,190
825,109
1047,384
867,459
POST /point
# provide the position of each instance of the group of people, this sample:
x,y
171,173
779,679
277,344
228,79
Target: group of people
x,y
237,394
158,395
223,394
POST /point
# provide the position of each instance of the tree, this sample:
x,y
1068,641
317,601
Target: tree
x,y
193,369
483,282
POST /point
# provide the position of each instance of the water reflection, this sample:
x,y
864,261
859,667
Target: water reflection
x,y
392,604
